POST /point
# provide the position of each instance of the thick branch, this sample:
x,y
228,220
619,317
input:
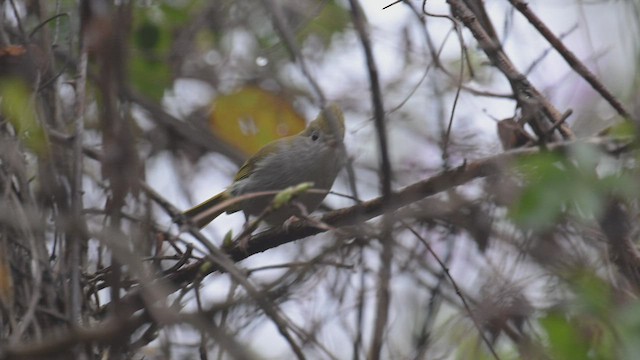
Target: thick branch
x,y
443,181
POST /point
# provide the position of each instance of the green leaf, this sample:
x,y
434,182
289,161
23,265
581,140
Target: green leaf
x,y
628,321
205,268
227,242
151,43
147,36
593,294
179,13
284,197
560,185
333,19
623,185
543,200
625,129
16,104
150,77
564,339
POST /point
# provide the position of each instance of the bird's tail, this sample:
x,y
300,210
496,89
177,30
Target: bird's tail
x,y
202,214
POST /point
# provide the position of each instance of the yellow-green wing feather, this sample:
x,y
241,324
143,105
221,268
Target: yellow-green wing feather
x,y
249,166
203,207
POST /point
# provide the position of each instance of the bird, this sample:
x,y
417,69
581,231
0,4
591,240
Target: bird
x,y
315,155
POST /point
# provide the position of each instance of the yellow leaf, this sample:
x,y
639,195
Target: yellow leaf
x,y
251,118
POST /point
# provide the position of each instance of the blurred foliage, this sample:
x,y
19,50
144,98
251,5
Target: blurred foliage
x,y
17,104
233,50
564,338
584,328
251,117
157,26
557,185
623,130
153,28
332,19
627,320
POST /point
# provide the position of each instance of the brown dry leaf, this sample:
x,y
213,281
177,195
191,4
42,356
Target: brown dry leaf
x,y
251,118
6,280
12,50
511,134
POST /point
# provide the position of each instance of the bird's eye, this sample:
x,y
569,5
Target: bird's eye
x,y
315,136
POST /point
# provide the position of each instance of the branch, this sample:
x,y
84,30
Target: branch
x,y
358,214
526,94
383,295
61,340
443,181
569,57
616,226
59,343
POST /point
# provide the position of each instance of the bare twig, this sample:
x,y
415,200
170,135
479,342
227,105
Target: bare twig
x,y
376,97
280,23
546,52
287,36
569,57
383,295
220,260
76,186
524,91
357,214
456,288
443,181
360,307
16,14
116,328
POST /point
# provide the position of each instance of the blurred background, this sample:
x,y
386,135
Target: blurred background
x,y
116,115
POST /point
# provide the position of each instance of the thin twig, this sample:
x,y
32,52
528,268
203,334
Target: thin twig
x,y
569,57
221,261
16,13
287,36
360,307
376,97
76,185
443,181
522,88
29,317
282,27
455,287
445,146
383,294
546,51
39,26
435,300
